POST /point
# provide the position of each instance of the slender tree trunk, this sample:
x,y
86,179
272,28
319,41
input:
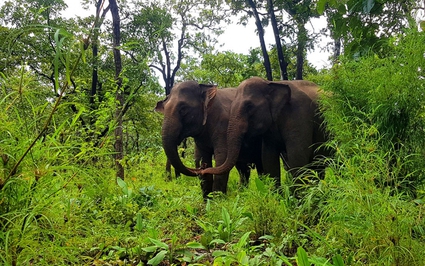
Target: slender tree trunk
x,y
337,50
302,40
95,48
119,97
260,29
167,69
282,62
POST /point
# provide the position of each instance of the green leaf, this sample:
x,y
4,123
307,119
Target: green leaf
x,y
260,186
368,5
195,245
422,25
302,258
249,215
242,258
226,217
337,260
217,241
321,4
220,253
158,243
139,222
158,258
121,183
243,241
150,249
83,52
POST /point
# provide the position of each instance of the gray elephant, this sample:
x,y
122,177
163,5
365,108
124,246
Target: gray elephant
x,y
285,115
183,146
202,112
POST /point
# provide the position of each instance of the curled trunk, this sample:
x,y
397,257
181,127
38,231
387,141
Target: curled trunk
x,y
170,144
235,133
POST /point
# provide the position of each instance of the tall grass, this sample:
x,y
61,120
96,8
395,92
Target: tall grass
x,y
371,199
64,206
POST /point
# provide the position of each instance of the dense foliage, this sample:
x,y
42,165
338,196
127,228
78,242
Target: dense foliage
x,y
60,200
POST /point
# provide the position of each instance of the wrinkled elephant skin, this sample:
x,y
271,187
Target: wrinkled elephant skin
x,y
202,112
285,115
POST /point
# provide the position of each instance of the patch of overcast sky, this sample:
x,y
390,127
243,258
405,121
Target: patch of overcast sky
x,y
240,39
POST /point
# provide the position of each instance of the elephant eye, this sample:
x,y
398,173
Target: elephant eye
x,y
249,107
184,110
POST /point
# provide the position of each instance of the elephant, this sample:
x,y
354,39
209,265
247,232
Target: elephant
x,y
168,163
202,111
285,115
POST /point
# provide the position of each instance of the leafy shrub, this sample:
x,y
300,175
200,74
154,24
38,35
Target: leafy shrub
x,y
377,107
266,208
374,111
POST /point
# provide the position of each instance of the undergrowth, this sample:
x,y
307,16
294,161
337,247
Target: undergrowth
x,y
61,204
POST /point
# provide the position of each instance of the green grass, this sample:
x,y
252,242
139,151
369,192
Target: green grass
x,y
94,220
62,204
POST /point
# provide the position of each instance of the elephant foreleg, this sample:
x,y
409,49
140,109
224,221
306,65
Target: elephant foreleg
x,y
220,181
244,173
271,163
206,180
168,169
298,156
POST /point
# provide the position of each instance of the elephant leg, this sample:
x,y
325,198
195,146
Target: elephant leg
x,y
220,181
259,167
298,156
207,180
183,154
177,173
270,159
244,173
168,170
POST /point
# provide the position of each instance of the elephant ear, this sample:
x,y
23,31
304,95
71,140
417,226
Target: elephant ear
x,y
160,106
279,97
208,93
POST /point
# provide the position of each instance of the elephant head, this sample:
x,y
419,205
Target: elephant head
x,y
257,105
185,114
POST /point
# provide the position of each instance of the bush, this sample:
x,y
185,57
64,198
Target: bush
x,y
377,109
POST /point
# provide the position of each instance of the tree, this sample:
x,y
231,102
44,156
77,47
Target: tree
x,y
119,97
225,69
250,8
168,31
283,64
98,80
360,27
300,13
297,14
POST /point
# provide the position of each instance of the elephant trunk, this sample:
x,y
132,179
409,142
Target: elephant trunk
x,y
235,134
170,142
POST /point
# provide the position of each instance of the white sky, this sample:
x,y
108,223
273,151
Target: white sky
x,y
240,39
236,38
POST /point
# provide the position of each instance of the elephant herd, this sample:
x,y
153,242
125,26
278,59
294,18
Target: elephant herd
x,y
258,123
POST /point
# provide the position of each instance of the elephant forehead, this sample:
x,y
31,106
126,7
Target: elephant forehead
x,y
251,89
178,100
186,86
249,94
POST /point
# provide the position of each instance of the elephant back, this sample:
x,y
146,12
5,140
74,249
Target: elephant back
x,y
308,87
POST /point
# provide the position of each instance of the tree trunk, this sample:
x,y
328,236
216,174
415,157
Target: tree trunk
x,y
95,47
337,50
260,29
302,40
119,97
282,62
